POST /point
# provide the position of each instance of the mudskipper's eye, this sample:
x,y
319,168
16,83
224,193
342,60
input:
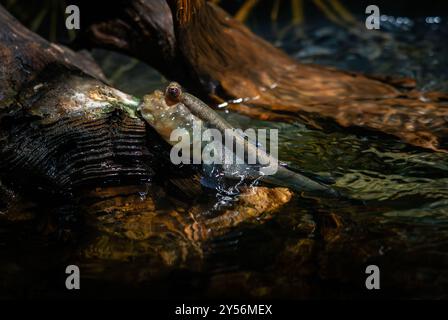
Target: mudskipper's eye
x,y
173,91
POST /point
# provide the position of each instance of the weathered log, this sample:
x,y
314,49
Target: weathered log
x,y
65,135
61,126
213,55
55,114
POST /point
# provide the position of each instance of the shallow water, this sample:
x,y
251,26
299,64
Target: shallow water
x,y
310,248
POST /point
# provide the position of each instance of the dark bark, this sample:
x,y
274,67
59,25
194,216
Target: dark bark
x,y
62,128
23,55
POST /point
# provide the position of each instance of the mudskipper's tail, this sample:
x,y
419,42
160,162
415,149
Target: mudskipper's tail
x,y
300,183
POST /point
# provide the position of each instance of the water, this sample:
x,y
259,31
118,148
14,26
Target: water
x,y
150,244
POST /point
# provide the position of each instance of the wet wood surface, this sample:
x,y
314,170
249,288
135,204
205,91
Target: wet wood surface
x,y
23,54
43,129
66,135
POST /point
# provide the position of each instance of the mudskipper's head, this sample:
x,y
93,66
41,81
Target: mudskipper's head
x,y
173,93
164,112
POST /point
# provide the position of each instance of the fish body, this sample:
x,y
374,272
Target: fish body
x,y
176,109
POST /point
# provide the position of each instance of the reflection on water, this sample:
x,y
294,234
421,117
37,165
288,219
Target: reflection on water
x,y
142,241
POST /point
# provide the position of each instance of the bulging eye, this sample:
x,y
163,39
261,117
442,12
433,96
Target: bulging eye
x,y
173,92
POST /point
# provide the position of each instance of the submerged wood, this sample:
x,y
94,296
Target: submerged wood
x,y
215,56
43,129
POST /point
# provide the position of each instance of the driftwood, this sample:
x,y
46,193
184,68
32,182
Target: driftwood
x,y
64,130
215,56
61,126
66,136
73,154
